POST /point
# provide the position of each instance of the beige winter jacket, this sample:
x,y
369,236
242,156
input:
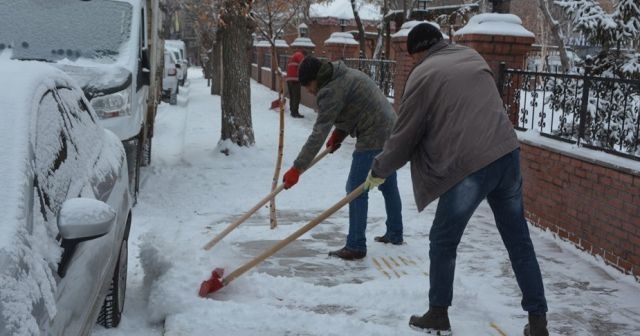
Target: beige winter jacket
x,y
451,123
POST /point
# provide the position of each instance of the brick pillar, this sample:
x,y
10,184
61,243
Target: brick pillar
x,y
404,64
260,51
510,47
280,50
340,46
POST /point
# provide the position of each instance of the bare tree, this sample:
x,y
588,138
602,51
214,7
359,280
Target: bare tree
x,y
271,18
556,31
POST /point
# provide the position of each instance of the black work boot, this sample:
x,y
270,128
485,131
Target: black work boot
x,y
348,254
537,325
434,322
384,239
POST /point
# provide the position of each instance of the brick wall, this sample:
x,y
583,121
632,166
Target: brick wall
x,y
592,204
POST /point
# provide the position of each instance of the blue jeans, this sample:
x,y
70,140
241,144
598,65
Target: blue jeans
x,y
360,166
501,183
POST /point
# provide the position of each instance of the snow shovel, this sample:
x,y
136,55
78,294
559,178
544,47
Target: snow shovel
x,y
215,282
276,103
255,208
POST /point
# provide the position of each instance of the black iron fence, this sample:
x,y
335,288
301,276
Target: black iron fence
x,y
597,112
381,71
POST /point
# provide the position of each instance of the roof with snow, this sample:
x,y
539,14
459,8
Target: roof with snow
x,y
341,9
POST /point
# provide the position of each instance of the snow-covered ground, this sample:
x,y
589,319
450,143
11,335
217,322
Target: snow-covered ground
x,y
191,192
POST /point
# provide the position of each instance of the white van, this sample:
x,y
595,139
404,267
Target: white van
x,y
103,45
182,56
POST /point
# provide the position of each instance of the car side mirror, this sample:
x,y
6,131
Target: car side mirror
x,y
82,219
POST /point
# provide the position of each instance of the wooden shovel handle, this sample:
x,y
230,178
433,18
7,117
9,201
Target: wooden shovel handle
x,y
278,246
255,208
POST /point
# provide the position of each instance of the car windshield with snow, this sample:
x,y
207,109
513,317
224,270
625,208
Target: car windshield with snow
x,y
40,30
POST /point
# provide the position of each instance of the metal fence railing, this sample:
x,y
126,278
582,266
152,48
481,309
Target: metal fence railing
x,y
596,112
381,71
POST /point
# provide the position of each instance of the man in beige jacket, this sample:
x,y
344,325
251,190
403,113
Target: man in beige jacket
x,y
454,130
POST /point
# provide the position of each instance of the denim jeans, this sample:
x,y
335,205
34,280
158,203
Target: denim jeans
x,y
360,166
501,183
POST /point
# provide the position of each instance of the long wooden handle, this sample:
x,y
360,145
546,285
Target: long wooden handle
x,y
255,208
278,246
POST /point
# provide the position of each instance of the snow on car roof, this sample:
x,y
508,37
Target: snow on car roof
x,y
20,80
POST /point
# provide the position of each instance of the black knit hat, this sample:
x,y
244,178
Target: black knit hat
x,y
308,70
422,37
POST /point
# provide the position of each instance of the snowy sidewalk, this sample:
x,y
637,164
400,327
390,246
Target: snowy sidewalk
x,y
191,192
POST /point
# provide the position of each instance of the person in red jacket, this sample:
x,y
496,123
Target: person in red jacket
x,y
293,84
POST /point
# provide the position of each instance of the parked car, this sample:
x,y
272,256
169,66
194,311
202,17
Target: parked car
x,y
170,78
109,48
65,212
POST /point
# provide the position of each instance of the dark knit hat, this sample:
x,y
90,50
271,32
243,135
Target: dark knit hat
x,y
308,70
422,37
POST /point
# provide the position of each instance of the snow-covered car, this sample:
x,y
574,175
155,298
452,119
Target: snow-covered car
x,y
170,78
65,207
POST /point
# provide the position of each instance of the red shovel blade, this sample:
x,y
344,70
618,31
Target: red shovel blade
x,y
213,284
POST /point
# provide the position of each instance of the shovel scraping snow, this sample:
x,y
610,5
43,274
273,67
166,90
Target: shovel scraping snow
x,y
255,208
215,283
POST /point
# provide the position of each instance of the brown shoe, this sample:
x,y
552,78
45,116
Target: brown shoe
x,y
385,240
347,254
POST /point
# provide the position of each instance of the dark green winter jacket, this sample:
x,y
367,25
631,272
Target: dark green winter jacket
x,y
352,101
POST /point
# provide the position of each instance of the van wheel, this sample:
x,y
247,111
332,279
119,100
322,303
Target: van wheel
x,y
113,305
133,148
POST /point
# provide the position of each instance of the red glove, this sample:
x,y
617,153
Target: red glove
x,y
291,177
335,140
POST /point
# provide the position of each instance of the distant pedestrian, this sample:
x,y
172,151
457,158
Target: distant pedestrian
x,y
352,102
454,130
293,84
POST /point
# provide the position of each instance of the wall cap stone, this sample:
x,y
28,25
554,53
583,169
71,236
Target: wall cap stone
x,y
495,24
341,38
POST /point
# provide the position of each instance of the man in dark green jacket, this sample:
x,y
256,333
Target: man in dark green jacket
x,y
454,130
352,102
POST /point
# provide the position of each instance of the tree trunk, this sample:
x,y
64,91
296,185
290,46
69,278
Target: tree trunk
x,y
236,91
556,32
356,16
216,67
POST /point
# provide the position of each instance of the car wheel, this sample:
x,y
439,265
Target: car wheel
x,y
173,100
113,305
